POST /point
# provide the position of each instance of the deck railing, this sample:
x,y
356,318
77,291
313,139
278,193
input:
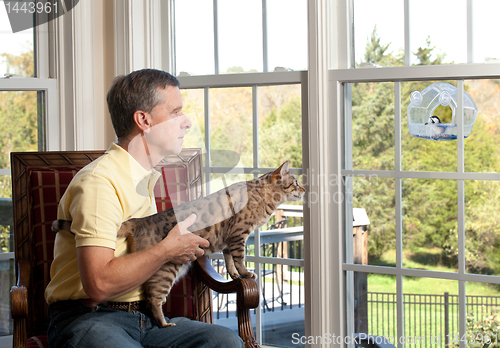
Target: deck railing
x,y
429,320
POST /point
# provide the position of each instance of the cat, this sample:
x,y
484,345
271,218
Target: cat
x,y
225,218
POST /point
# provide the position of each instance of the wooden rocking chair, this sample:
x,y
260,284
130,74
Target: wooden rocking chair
x,y
39,180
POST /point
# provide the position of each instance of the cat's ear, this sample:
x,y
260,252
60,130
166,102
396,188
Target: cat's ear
x,y
283,168
278,173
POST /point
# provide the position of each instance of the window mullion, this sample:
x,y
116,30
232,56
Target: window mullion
x,y
216,37
459,117
470,39
407,32
207,138
265,62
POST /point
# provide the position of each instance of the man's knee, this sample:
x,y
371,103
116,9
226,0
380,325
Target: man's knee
x,y
227,337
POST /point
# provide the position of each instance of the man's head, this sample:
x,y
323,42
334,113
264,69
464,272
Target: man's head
x,y
138,90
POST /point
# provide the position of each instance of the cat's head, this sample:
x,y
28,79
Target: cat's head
x,y
286,184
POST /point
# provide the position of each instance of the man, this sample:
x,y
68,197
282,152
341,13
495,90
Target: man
x,y
95,295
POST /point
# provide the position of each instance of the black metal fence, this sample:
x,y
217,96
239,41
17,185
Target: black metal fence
x,y
282,286
429,320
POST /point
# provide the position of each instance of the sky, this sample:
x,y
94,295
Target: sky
x,y
240,31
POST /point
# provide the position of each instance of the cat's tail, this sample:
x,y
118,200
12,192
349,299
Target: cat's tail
x,y
61,225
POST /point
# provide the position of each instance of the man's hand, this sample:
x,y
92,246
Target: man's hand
x,y
183,246
105,276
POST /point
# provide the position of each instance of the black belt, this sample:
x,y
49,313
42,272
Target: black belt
x,y
59,307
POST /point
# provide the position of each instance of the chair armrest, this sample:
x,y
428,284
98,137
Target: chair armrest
x,y
246,286
19,303
19,292
247,296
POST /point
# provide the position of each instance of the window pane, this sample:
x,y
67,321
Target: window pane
x,y
280,126
193,107
379,32
16,50
483,144
373,126
374,242
194,37
420,154
438,31
6,219
287,34
430,307
7,280
282,318
231,125
375,309
283,285
429,224
240,35
19,119
482,227
484,28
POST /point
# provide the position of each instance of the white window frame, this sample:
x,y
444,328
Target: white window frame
x,y
397,75
253,80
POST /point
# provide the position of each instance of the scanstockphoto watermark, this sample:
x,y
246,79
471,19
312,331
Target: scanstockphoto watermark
x,y
358,339
26,14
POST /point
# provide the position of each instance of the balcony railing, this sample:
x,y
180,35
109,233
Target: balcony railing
x,y
281,267
430,320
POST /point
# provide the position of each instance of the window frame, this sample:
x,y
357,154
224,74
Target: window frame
x,y
459,72
253,80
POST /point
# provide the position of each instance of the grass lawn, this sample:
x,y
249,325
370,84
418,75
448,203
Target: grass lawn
x,y
431,286
424,315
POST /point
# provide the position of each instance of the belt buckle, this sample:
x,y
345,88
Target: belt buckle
x,y
129,307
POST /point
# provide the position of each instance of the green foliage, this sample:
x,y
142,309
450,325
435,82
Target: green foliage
x,y
424,54
483,332
281,136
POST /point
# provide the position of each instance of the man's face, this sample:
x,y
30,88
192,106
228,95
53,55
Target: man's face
x,y
166,135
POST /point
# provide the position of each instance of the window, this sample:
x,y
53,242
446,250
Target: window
x,y
27,101
421,269
243,87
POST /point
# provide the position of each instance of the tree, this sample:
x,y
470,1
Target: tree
x,y
19,120
424,54
375,52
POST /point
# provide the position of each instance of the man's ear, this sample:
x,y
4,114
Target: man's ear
x,y
143,120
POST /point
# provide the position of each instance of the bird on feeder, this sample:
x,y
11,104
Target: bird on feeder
x,y
433,121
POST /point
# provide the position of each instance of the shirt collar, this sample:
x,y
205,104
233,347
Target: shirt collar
x,y
137,171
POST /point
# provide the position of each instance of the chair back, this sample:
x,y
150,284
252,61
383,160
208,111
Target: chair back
x,y
39,180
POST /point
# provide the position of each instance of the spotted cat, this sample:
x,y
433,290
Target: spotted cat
x,y
225,218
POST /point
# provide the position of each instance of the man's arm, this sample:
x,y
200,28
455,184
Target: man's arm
x,y
104,276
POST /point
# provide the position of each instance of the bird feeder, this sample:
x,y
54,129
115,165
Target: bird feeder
x,y
422,106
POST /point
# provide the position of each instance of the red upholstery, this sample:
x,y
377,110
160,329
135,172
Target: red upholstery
x,y
47,188
38,342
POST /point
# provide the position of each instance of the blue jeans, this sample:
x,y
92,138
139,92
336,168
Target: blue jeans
x,y
80,327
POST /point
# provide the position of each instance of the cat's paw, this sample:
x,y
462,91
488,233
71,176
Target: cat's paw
x,y
249,275
234,275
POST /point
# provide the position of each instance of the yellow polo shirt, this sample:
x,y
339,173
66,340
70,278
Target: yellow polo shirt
x,y
112,189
